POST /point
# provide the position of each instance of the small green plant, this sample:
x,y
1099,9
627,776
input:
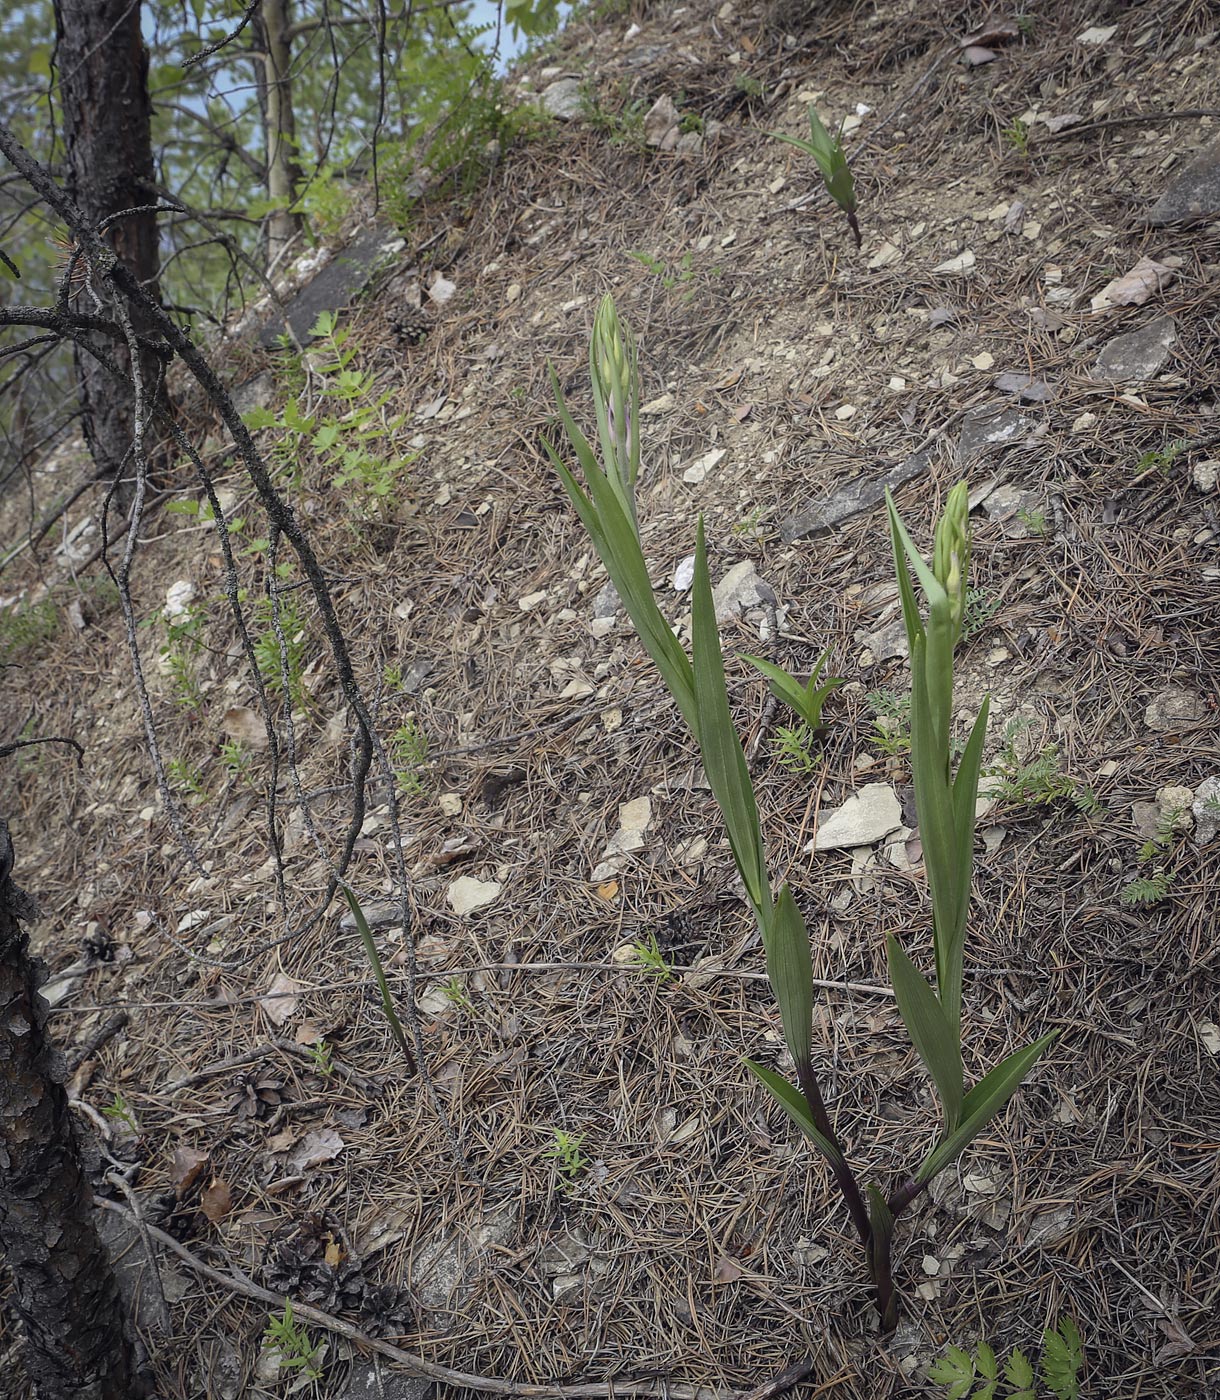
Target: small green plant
x,y
282,670
1040,781
750,86
977,1374
1034,520
296,1349
1062,1360
455,991
891,734
178,770
566,1154
805,697
831,161
27,627
793,748
237,760
748,524
945,797
1027,25
1016,135
624,127
1161,459
409,753
348,433
981,607
649,959
117,1111
1146,889
183,644
673,275
322,1057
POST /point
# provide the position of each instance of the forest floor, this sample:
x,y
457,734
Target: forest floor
x,y
552,813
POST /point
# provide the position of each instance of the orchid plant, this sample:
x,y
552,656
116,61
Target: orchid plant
x,y
944,798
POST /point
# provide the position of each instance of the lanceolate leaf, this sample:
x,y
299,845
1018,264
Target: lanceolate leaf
x,y
790,970
807,700
982,1104
933,1036
723,759
793,1103
387,1001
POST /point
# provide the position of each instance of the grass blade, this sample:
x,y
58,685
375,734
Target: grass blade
x,y
930,1031
790,971
793,1103
387,1001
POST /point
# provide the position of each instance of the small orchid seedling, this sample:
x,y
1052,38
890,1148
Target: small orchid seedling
x,y
827,152
807,699
944,799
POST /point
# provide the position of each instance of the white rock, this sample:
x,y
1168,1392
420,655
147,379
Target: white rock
x,y
684,574
984,360
1206,811
960,265
467,894
178,599
450,803
696,472
1096,34
740,588
864,819
1204,475
531,600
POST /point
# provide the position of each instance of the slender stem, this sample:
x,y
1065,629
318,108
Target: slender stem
x,y
844,1179
905,1194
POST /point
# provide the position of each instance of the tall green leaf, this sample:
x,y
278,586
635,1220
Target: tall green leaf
x,y
933,1036
387,1001
982,1104
793,1103
790,970
723,759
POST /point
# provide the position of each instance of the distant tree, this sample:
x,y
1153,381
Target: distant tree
x,y
64,1297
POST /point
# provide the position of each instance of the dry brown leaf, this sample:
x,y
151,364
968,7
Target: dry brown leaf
x,y
185,1168
245,726
279,1002
608,891
216,1200
1180,1342
996,32
313,1150
333,1254
1135,287
727,1270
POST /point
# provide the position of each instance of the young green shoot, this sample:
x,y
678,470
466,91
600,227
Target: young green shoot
x,y
649,959
831,160
566,1154
296,1349
321,1055
118,1111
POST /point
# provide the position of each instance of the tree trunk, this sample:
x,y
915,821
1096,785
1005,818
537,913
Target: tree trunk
x,y
103,76
64,1293
283,169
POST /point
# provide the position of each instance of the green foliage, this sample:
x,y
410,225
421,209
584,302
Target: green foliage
x,y
981,607
323,1060
182,646
179,771
566,1153
26,628
1034,520
374,958
1016,135
1062,1360
237,760
891,734
623,126
117,1111
281,667
831,160
649,959
296,1349
1146,889
408,754
1161,459
1038,781
749,85
793,748
455,991
977,1374
805,697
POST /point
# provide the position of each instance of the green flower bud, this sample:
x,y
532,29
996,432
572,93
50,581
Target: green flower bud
x,y
951,555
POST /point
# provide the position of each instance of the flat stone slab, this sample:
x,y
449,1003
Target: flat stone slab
x,y
1194,193
1139,354
864,493
342,279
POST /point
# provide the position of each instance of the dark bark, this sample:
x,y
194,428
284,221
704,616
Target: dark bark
x,y
103,75
64,1296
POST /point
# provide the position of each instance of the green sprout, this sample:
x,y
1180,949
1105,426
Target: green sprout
x,y
1016,134
409,753
323,1061
117,1111
649,959
296,1349
566,1153
455,991
829,157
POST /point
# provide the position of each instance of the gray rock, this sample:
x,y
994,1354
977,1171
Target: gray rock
x,y
864,493
987,428
563,99
370,1380
254,393
1174,708
661,124
1139,354
1146,819
1206,810
1026,388
739,589
1192,194
886,642
607,603
339,282
868,816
